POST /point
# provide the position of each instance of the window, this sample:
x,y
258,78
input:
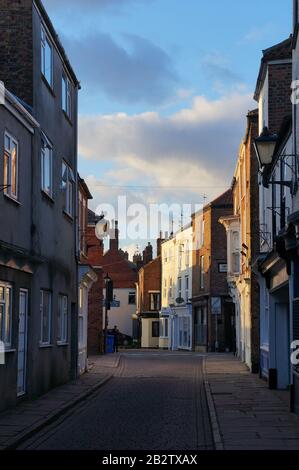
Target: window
x,y
235,252
170,289
187,254
155,329
68,181
186,288
132,298
181,251
62,336
179,287
10,166
154,301
81,317
47,167
66,96
47,58
202,236
202,272
164,328
46,317
5,313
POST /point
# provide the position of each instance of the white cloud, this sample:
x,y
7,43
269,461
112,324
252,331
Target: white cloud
x,y
196,146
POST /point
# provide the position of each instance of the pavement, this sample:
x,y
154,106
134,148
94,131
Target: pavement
x,y
245,414
156,400
29,417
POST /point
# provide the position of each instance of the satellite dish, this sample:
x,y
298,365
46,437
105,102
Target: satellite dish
x,y
102,229
179,300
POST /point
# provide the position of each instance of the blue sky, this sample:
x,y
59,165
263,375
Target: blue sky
x,y
166,85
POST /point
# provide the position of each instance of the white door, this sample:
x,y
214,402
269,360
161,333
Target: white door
x,y
22,343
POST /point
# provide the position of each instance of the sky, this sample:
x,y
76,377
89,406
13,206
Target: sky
x,y
166,86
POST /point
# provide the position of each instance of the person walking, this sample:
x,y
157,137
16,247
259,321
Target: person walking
x,y
116,338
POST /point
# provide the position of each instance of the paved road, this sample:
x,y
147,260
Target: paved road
x,y
155,401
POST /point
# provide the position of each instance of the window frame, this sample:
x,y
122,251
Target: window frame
x,y
45,40
8,155
50,314
6,337
131,294
66,95
68,185
202,272
46,145
62,319
158,304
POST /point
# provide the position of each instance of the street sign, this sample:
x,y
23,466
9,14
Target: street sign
x,y
115,304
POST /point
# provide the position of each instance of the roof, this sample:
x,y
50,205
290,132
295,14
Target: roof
x,y
225,199
84,187
93,219
280,51
59,45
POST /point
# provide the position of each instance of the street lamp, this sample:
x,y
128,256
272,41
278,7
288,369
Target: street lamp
x,y
264,146
265,151
108,284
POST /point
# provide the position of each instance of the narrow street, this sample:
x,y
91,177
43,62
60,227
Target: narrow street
x,y
156,400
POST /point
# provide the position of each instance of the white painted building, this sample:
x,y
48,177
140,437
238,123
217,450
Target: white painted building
x,y
176,309
122,316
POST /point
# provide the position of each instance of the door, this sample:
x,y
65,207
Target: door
x,y
282,346
22,342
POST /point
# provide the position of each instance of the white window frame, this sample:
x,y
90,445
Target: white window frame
x,y
9,139
6,320
66,93
164,330
151,294
45,41
179,287
62,319
68,183
46,148
46,342
202,272
187,288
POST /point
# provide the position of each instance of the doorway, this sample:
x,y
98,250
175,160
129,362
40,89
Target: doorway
x,y
22,342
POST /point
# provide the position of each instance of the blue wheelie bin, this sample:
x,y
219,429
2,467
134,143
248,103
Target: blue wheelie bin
x,y
110,344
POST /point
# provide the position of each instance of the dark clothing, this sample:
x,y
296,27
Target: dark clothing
x,y
116,335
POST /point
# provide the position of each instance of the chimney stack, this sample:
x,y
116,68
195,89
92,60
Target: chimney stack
x,y
148,254
159,243
114,237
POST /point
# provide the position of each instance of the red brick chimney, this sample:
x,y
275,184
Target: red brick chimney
x,y
159,243
114,237
148,253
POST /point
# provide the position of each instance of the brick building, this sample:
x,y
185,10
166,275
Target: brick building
x,y
243,247
123,273
87,276
213,312
95,299
149,298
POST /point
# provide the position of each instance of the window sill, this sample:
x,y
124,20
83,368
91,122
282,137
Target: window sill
x,y
67,118
68,216
48,85
45,346
47,196
61,343
10,350
12,199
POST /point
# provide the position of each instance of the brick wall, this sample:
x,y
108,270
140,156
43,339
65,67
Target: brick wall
x,y
149,279
16,44
280,106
